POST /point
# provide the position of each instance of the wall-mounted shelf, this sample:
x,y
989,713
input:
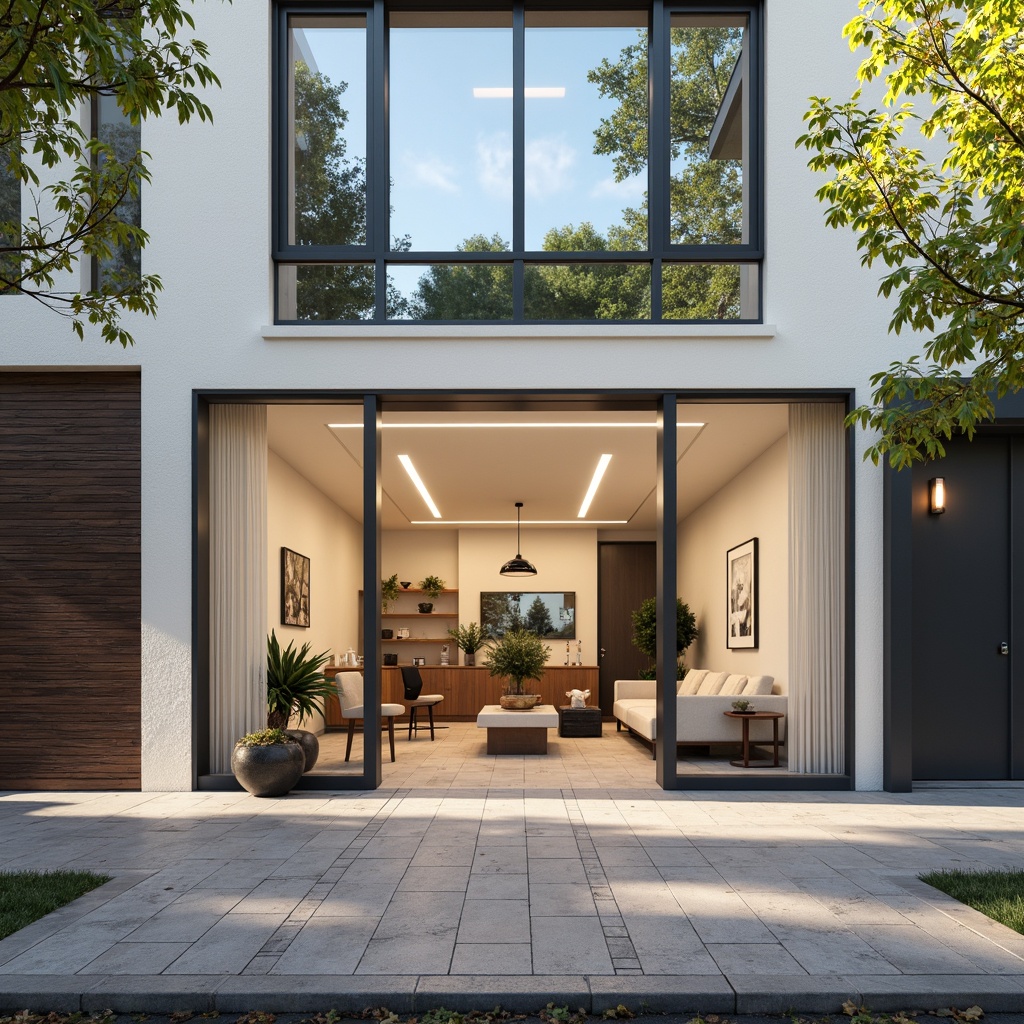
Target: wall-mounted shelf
x,y
419,615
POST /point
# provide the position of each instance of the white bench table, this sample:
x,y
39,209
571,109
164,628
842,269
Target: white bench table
x,y
517,732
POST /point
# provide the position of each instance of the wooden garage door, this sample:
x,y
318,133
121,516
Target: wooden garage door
x,y
70,659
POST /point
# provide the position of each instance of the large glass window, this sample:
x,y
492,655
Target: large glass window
x,y
10,218
518,164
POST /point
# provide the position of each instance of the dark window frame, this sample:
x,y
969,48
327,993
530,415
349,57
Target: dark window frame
x,y
377,252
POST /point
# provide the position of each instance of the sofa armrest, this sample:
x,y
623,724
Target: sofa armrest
x,y
632,688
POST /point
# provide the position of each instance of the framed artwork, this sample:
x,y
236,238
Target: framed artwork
x,y
741,596
294,588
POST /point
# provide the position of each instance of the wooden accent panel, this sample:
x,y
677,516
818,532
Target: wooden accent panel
x,y
467,689
70,580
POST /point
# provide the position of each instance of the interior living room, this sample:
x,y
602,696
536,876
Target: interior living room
x,y
570,492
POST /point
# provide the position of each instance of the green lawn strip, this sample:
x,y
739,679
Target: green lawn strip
x,y
997,894
26,896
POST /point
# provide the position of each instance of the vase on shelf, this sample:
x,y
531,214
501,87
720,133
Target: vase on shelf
x,y
469,658
425,607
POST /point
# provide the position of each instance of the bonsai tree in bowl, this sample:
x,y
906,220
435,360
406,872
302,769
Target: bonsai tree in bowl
x,y
645,634
469,639
517,656
295,685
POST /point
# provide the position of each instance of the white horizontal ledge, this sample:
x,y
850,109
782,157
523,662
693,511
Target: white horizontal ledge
x,y
527,332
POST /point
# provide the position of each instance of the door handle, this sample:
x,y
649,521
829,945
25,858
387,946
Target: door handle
x,y
601,652
1004,648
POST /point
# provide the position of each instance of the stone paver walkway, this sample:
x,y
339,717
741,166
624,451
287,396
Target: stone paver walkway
x,y
465,898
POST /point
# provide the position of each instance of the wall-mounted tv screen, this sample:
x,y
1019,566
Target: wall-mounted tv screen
x,y
551,616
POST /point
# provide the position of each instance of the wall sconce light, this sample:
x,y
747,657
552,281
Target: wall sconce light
x,y
937,495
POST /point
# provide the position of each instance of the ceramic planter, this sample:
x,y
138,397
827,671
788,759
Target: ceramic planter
x,y
272,770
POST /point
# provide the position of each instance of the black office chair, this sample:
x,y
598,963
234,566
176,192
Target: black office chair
x,y
415,698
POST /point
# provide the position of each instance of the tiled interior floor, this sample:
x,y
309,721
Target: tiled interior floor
x,y
458,758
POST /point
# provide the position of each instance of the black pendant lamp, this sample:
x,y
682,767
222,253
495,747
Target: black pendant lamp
x,y
518,566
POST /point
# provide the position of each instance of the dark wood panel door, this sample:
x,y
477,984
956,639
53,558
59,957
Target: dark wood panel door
x,y
70,581
626,576
962,712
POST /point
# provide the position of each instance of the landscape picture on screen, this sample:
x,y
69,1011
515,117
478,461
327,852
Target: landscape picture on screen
x,y
551,616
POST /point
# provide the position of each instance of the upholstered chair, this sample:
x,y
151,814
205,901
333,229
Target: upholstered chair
x,y
415,698
350,697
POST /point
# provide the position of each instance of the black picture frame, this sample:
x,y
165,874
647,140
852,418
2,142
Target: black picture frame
x,y
741,606
294,589
501,610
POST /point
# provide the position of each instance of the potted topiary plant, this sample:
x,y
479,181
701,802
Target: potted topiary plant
x,y
433,587
517,656
469,639
389,591
295,685
645,637
267,763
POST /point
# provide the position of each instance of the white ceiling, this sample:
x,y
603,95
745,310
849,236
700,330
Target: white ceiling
x,y
476,465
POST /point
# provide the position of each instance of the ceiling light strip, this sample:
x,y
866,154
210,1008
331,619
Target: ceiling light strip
x,y
602,465
503,426
511,522
420,486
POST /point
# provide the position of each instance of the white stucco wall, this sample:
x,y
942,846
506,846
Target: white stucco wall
x,y
208,212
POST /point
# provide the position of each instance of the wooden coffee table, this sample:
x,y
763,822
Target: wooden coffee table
x,y
763,716
517,732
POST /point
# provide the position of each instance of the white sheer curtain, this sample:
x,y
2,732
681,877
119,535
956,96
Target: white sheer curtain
x,y
238,576
817,514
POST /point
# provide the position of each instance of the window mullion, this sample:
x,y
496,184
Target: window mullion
x,y
518,128
378,172
658,129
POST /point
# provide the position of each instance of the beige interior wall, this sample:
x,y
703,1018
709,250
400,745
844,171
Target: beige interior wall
x,y
755,503
304,519
414,554
565,559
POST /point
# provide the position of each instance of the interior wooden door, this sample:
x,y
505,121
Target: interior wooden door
x,y
626,576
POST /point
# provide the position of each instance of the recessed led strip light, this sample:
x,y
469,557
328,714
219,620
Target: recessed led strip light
x,y
531,92
503,426
602,465
420,486
512,522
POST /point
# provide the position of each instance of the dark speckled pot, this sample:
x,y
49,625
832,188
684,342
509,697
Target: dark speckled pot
x,y
309,743
268,771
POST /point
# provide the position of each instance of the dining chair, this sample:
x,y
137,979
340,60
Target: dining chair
x,y
415,698
350,697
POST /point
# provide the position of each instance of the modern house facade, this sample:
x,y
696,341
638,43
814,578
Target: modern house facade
x,y
495,242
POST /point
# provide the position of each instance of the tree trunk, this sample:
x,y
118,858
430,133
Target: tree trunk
x,y
277,720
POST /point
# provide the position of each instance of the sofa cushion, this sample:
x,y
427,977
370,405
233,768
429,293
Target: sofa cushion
x,y
643,720
689,683
758,686
733,684
712,683
622,707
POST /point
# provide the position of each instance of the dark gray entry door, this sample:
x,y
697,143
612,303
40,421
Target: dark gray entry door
x,y
963,712
626,575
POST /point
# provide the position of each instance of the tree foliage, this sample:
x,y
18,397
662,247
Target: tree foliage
x,y
950,232
645,631
55,56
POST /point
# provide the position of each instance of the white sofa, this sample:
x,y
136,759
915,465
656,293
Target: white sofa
x,y
702,697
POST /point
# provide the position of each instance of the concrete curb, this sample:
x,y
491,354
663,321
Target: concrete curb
x,y
527,993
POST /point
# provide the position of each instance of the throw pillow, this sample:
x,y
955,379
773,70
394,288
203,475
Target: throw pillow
x,y
689,683
758,686
712,683
733,685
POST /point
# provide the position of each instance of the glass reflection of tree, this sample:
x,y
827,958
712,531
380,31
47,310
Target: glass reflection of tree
x,y
122,270
538,618
705,206
10,212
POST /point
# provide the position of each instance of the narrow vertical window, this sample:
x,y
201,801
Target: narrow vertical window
x,y
709,176
10,219
122,269
326,190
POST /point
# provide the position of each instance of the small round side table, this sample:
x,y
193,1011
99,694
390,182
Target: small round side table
x,y
746,717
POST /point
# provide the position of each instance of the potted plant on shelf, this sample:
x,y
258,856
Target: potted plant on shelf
x,y
645,637
267,763
469,639
517,656
389,591
295,685
433,587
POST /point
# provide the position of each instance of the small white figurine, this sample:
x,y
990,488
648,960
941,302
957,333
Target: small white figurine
x,y
577,698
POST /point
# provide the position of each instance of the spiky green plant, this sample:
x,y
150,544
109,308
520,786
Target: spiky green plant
x,y
468,638
518,655
295,683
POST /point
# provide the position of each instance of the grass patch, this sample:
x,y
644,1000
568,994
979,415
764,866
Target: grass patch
x,y
26,896
997,894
